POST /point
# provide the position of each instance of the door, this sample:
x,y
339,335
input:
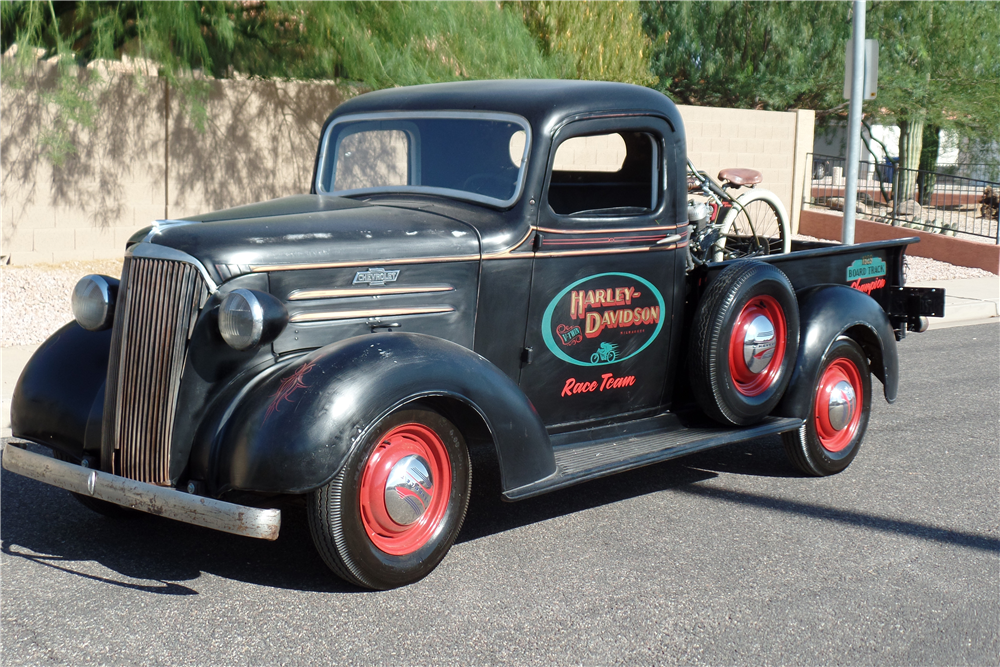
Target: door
x,y
606,261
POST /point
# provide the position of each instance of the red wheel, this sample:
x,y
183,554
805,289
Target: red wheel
x,y
395,508
838,419
744,343
836,411
757,346
402,504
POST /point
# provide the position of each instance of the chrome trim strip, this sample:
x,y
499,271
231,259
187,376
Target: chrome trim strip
x,y
264,268
616,251
358,314
163,501
306,294
324,165
622,230
154,251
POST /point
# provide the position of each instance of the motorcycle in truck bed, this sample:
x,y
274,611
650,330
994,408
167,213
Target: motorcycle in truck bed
x,y
456,280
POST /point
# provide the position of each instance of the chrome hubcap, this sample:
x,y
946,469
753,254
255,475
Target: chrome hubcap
x,y
758,344
842,403
408,490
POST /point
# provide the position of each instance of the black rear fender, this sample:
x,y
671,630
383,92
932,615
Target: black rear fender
x,y
294,429
59,398
826,313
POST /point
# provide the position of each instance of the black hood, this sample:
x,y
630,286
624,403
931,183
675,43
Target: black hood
x,y
313,229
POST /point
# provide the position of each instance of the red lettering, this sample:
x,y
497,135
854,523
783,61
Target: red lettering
x,y
868,288
608,381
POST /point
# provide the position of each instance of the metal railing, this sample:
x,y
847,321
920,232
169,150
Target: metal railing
x,y
928,201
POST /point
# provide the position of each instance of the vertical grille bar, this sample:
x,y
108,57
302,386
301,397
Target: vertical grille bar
x,y
158,302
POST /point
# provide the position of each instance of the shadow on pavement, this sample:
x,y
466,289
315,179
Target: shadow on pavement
x,y
45,525
869,521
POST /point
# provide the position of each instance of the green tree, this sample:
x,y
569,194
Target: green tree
x,y
939,66
939,63
599,40
362,44
754,55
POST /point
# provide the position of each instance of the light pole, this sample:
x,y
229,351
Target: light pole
x,y
854,123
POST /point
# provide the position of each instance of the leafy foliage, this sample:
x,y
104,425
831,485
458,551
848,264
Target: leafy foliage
x,y
598,41
375,43
939,66
360,44
755,55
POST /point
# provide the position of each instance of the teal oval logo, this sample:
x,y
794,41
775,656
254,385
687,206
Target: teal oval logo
x,y
603,319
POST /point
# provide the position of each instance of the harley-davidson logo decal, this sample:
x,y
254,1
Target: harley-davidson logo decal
x,y
375,277
603,319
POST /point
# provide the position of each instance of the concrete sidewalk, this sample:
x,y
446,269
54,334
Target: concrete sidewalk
x,y
969,301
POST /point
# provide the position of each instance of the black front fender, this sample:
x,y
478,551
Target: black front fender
x,y
59,398
826,313
293,431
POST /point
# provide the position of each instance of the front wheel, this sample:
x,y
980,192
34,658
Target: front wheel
x,y
394,510
838,419
757,224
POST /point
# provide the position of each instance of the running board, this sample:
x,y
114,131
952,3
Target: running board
x,y
588,458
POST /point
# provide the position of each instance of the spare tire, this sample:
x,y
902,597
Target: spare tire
x,y
744,343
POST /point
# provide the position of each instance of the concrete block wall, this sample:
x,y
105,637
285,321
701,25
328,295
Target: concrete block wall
x,y
772,142
144,159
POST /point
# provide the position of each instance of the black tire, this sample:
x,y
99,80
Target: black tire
x,y
728,387
353,530
102,507
818,447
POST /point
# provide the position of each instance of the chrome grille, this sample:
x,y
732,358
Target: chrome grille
x,y
158,301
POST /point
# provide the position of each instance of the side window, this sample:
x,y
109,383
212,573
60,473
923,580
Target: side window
x,y
606,174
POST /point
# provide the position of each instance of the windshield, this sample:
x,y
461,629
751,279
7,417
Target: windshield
x,y
474,156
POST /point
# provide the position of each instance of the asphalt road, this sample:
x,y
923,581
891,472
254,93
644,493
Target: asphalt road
x,y
726,557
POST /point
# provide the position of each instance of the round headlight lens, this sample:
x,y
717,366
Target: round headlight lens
x,y
93,303
241,319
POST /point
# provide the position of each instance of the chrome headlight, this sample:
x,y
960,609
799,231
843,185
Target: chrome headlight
x,y
248,318
93,302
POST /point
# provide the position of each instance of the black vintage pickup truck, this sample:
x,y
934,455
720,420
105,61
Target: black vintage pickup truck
x,y
463,276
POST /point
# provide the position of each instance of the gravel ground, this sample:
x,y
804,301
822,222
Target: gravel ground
x,y
36,298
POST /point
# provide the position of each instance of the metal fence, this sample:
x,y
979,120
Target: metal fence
x,y
929,201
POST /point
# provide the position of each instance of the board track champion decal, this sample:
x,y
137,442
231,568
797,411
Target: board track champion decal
x,y
603,319
866,274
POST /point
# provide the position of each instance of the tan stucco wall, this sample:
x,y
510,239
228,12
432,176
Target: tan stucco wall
x,y
259,143
772,142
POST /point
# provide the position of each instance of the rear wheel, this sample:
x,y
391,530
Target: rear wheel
x,y
756,225
838,419
394,510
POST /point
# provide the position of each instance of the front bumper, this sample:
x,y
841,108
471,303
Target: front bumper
x,y
170,503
